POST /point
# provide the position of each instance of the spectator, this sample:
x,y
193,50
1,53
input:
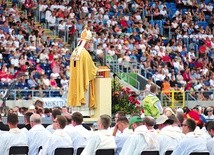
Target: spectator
x,y
102,139
14,137
79,134
27,116
192,143
170,135
122,125
36,134
210,129
59,138
55,112
141,140
3,127
210,115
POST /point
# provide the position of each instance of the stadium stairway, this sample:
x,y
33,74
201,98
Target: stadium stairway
x,y
48,32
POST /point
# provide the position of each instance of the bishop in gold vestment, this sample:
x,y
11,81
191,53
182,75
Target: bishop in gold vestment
x,y
82,74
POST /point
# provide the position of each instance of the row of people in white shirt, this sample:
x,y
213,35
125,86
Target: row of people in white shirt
x,y
127,137
59,134
169,136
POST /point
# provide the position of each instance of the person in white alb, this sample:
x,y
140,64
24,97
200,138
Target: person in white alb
x,y
55,112
79,134
122,125
37,134
58,139
192,142
141,140
210,142
13,137
101,139
170,134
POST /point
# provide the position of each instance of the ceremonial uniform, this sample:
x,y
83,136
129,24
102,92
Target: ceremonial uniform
x,y
82,74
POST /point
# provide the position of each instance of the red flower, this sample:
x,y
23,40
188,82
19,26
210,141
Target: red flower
x,y
128,90
137,102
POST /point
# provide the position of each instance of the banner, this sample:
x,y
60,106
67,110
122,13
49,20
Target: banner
x,y
52,102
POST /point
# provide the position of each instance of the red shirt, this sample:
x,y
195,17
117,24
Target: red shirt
x,y
208,43
123,23
202,49
51,57
166,58
198,65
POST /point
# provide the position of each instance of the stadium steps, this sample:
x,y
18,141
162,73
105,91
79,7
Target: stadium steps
x,y
9,4
48,32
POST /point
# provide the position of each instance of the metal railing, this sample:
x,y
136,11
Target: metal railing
x,y
123,73
16,94
176,98
173,98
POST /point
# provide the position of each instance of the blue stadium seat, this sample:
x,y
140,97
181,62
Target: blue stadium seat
x,y
201,23
207,17
173,10
3,85
168,5
173,5
207,1
55,94
184,10
111,14
48,73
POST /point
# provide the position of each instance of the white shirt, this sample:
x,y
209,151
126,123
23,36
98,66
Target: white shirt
x,y
58,139
14,62
168,138
50,128
46,82
14,137
64,83
141,140
79,136
191,143
101,139
121,138
210,147
37,137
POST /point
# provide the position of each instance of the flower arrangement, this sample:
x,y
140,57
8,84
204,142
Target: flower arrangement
x,y
124,99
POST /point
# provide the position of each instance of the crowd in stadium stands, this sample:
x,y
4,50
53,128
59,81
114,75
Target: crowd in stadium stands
x,y
180,130
171,40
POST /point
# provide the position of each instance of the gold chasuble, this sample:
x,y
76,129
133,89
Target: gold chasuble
x,y
82,74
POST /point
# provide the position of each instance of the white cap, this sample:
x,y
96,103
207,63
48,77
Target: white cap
x,y
31,107
161,119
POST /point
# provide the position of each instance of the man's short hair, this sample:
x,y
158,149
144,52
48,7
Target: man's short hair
x,y
12,118
56,112
210,125
149,121
123,119
77,117
62,121
36,118
121,113
153,88
191,124
105,121
68,118
27,116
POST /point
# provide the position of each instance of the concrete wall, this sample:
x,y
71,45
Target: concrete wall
x,y
192,104
20,103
